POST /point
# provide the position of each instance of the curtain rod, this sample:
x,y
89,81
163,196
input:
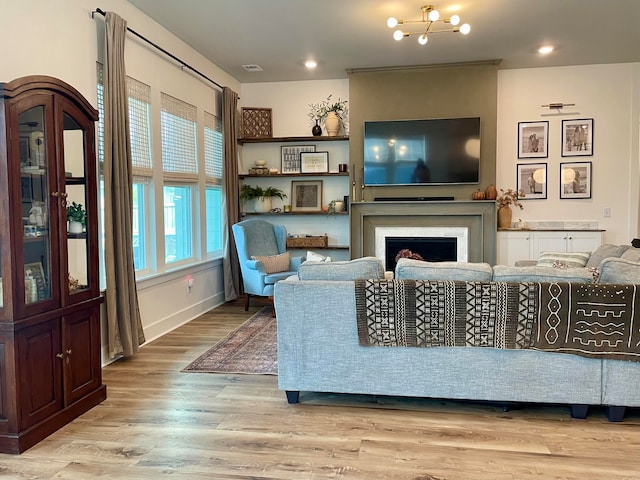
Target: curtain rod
x,y
155,45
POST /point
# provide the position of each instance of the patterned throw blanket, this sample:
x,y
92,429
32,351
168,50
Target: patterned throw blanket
x,y
590,320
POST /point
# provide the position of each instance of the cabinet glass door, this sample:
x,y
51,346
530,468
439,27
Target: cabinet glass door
x,y
34,182
76,203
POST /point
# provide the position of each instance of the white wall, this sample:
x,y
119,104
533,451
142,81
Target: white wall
x,y
60,39
606,93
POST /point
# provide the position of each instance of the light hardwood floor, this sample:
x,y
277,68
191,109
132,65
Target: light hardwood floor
x,y
158,422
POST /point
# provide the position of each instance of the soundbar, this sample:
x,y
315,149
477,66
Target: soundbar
x,y
412,199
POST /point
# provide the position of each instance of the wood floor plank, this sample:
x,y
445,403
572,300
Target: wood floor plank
x,y
160,422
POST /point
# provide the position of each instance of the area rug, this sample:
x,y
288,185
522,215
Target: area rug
x,y
250,349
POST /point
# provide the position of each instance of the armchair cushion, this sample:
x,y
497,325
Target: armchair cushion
x,y
274,263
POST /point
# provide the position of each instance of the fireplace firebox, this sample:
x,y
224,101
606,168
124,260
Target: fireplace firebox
x,y
431,249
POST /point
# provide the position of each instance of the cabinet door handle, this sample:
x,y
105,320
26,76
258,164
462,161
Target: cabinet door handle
x,y
59,355
69,352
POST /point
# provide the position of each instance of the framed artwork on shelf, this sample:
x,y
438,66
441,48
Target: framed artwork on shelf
x,y
577,137
314,162
575,180
532,180
306,196
35,283
533,139
291,157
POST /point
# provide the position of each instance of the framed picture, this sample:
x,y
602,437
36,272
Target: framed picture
x,y
306,196
575,180
291,157
533,139
35,283
532,180
314,162
577,137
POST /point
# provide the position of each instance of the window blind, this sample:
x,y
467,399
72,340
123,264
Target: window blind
x,y
213,149
178,130
139,96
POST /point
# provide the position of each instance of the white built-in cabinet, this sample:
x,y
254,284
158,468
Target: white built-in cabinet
x,y
529,244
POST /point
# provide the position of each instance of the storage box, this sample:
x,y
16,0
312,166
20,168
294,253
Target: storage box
x,y
308,242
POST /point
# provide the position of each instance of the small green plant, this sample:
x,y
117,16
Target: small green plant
x,y
247,192
76,213
319,111
332,206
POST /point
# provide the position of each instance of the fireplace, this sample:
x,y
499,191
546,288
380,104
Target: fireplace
x,y
435,244
431,249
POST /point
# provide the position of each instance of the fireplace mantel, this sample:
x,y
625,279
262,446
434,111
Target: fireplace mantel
x,y
478,216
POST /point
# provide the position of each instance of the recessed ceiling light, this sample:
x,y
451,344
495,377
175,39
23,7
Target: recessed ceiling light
x,y
311,64
546,50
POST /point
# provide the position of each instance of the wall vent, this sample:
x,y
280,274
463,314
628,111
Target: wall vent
x,y
252,68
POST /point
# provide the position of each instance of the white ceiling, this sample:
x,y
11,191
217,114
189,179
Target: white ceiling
x,y
279,35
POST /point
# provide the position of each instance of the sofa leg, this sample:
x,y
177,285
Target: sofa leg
x,y
579,411
292,396
615,413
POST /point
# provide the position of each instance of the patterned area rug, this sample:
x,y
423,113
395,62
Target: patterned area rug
x,y
251,349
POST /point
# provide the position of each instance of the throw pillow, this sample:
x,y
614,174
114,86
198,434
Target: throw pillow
x,y
632,254
606,250
316,257
274,263
565,259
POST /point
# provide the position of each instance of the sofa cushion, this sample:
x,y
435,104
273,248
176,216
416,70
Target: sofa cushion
x,y
567,259
360,268
632,254
316,257
605,251
410,269
504,273
619,270
274,263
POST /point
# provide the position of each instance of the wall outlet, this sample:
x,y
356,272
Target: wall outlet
x,y
607,212
189,284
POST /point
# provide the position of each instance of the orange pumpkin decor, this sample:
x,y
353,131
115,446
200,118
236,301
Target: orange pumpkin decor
x,y
478,195
491,193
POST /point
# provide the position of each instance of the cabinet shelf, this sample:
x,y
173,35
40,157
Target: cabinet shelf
x,y
338,138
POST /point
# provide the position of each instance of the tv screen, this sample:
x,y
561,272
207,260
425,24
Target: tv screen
x,y
422,152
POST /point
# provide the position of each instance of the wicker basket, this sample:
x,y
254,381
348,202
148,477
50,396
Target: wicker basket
x,y
306,242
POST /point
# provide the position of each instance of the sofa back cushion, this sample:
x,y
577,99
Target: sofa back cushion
x,y
632,254
409,269
504,273
606,250
359,268
619,270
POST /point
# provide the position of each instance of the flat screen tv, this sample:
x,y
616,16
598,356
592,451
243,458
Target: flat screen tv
x,y
422,152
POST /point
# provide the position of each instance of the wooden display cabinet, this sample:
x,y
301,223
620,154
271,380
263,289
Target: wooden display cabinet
x,y
50,362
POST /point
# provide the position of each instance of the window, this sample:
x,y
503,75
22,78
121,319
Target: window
x,y
180,171
213,171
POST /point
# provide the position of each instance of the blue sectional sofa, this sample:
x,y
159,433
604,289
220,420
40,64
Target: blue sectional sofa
x,y
319,349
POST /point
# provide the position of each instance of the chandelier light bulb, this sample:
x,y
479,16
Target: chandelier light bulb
x,y
465,28
398,35
454,20
392,22
423,39
434,15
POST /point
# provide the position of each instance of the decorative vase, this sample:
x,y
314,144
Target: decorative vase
x,y
491,193
75,227
262,205
504,217
338,206
332,123
316,130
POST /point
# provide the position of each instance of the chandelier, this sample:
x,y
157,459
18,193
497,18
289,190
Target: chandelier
x,y
431,23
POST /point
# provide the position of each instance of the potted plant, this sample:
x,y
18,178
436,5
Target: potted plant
x,y
331,113
77,217
261,196
335,206
503,202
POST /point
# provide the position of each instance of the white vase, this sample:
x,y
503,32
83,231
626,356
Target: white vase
x,y
338,207
75,227
332,124
262,205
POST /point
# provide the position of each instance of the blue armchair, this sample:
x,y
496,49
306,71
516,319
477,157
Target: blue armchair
x,y
255,237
